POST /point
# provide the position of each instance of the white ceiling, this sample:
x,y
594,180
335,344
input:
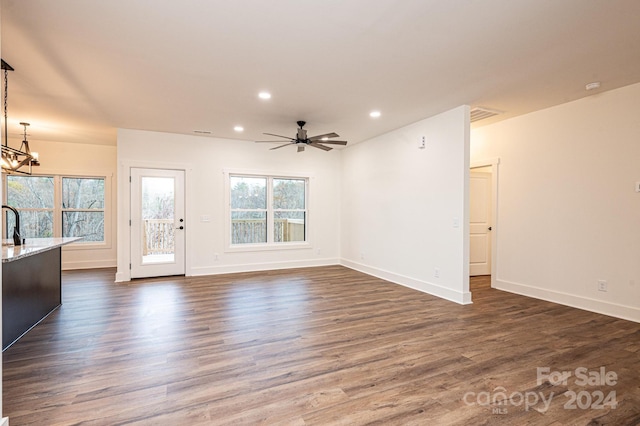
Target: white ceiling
x,y
86,67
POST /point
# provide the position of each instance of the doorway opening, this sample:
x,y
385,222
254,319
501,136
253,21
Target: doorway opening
x,y
483,220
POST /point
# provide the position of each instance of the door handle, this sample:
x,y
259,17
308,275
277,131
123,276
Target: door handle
x,y
180,227
489,228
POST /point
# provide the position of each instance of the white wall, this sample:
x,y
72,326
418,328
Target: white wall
x,y
84,160
568,214
205,160
400,204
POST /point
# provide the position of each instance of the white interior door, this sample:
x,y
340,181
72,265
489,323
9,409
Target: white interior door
x,y
157,223
480,202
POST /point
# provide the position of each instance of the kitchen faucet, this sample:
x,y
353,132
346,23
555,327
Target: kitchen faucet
x,y
17,239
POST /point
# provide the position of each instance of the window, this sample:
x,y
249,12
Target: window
x,y
33,196
267,209
83,208
248,209
289,209
57,206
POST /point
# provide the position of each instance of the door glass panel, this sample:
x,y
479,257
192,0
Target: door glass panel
x,y
158,230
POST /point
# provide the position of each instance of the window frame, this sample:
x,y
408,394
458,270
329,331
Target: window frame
x,y
5,196
274,210
270,244
58,210
64,210
265,210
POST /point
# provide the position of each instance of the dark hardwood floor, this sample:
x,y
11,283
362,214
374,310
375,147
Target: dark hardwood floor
x,y
313,346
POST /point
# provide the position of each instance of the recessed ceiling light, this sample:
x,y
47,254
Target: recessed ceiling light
x,y
264,95
593,86
239,129
374,114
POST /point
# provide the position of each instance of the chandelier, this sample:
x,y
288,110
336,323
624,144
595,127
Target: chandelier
x,y
12,159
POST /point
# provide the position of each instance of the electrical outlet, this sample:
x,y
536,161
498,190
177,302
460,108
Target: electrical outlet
x,y
602,285
215,256
436,272
318,251
637,186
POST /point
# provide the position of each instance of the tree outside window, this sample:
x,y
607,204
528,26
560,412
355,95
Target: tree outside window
x,y
33,197
83,208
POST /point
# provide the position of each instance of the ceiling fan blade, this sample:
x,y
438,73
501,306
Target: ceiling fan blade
x,y
279,136
268,141
334,142
326,135
317,145
300,148
277,147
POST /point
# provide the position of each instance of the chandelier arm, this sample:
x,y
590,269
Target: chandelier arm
x,y
6,86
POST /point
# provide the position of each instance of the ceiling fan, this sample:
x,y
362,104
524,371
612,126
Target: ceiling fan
x,y
301,140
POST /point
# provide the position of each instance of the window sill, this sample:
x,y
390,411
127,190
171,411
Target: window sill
x,y
87,246
267,247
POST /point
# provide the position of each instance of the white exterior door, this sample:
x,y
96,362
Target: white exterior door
x,y
480,202
157,223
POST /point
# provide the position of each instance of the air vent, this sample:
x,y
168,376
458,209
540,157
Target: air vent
x,y
480,113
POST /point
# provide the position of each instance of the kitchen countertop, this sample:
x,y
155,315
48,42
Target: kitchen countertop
x,y
32,246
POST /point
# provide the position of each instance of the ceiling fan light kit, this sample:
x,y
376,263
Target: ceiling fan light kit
x,y
301,140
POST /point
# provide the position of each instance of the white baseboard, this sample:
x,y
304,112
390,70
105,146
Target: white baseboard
x,y
249,267
598,306
266,266
4,421
423,286
88,264
122,277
